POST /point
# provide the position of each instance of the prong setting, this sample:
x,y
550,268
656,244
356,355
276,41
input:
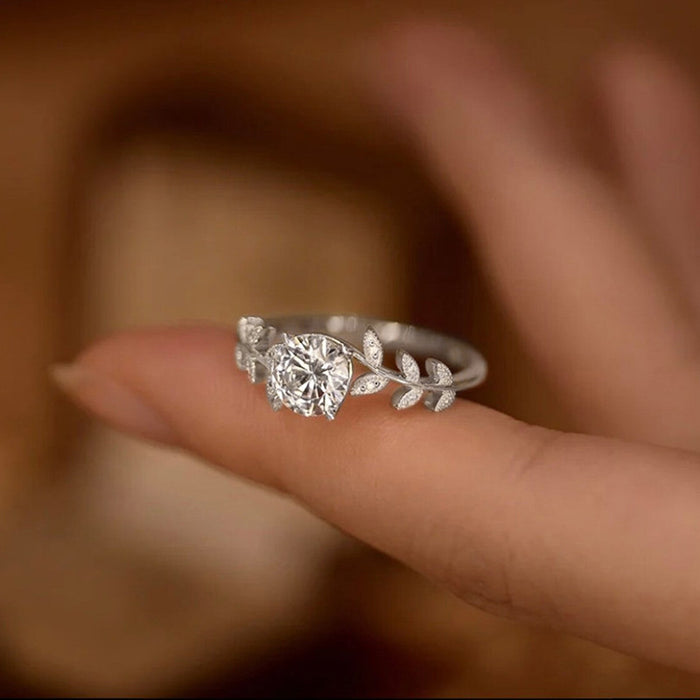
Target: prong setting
x,y
309,373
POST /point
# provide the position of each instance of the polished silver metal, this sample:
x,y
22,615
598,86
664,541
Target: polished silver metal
x,y
307,361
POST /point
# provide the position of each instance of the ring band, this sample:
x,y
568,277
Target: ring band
x,y
307,362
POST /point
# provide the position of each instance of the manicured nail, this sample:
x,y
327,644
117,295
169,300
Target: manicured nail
x,y
113,402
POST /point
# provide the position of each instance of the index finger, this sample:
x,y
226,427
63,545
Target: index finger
x,y
595,536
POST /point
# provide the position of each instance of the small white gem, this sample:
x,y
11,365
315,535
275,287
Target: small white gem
x,y
252,368
408,366
369,383
439,372
247,329
241,357
372,347
405,397
254,334
272,397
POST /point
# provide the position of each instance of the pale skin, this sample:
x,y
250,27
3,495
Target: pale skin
x,y
596,533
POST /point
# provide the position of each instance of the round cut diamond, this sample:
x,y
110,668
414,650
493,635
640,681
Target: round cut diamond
x,y
310,374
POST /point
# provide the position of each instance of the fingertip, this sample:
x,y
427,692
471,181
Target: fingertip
x,y
65,375
113,401
637,80
416,63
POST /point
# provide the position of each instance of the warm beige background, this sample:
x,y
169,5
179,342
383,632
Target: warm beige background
x,y
152,155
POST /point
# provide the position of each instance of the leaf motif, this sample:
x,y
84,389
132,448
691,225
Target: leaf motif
x,y
439,401
248,326
241,357
438,372
256,371
273,398
368,383
254,333
265,338
372,347
405,397
408,366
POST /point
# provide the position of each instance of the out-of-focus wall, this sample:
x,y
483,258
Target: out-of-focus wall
x,y
175,160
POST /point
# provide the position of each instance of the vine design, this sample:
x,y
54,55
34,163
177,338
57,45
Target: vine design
x,y
436,386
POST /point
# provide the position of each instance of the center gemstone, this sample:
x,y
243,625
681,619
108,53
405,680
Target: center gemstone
x,y
310,374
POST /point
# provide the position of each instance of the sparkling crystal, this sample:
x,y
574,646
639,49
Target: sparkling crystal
x,y
408,366
310,374
405,397
368,383
372,347
241,357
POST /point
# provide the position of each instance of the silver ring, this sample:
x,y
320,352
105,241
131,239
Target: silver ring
x,y
307,362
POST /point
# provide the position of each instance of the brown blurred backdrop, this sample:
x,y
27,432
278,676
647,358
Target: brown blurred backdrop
x,y
162,161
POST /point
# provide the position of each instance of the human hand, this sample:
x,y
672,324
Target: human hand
x,y
598,536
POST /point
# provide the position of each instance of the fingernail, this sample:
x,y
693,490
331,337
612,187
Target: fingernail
x,y
113,402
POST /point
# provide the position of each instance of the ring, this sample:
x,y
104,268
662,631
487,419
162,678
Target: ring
x,y
307,362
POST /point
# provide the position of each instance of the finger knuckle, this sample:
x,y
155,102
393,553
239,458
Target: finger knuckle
x,y
489,568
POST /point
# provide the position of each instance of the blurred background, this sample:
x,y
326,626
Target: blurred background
x,y
168,161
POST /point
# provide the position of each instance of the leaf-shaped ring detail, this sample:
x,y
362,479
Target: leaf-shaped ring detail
x,y
368,383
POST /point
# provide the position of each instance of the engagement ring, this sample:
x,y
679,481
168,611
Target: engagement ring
x,y
307,362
